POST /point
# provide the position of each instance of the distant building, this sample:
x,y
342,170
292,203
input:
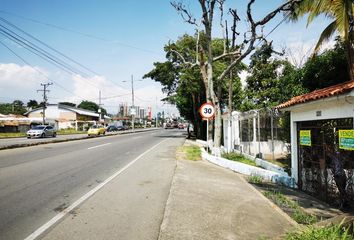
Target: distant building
x,y
125,112
63,116
17,123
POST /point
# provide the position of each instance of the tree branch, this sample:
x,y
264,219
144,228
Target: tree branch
x,y
183,59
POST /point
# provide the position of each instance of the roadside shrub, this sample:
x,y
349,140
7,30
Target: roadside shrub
x,y
255,179
299,215
335,232
238,158
304,218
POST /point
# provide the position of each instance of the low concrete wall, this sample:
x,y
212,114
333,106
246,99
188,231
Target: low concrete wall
x,y
276,175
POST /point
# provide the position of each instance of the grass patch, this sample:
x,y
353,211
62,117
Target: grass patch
x,y
336,232
255,179
192,153
69,131
292,207
12,135
238,158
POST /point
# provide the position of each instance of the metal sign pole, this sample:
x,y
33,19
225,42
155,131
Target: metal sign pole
x,y
207,136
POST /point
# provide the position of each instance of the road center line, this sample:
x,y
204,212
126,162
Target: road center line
x,y
62,214
99,146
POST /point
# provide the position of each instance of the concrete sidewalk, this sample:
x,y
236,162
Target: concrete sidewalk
x,y
203,202
209,202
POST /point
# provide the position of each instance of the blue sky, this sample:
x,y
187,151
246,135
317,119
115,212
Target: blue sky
x,y
126,37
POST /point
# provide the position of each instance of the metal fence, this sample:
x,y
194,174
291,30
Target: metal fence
x,y
262,133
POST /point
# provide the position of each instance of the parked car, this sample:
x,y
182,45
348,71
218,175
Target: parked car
x,y
41,131
181,126
112,128
96,130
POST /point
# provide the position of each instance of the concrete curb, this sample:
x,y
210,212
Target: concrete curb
x,y
167,209
21,145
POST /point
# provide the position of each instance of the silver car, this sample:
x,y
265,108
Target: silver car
x,y
41,131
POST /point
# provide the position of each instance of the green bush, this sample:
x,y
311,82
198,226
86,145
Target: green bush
x,y
304,218
336,232
255,179
297,213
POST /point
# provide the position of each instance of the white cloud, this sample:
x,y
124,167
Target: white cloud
x,y
20,82
15,77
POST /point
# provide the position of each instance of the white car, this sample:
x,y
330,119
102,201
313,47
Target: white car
x,y
41,131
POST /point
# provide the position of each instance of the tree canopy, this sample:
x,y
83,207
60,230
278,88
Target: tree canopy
x,y
91,106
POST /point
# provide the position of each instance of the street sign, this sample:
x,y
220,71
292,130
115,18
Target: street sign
x,y
132,111
305,138
346,139
207,110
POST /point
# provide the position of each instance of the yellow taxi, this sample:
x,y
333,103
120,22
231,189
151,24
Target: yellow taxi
x,y
96,130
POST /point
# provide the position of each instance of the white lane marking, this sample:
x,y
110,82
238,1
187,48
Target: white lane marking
x,y
62,214
137,137
98,146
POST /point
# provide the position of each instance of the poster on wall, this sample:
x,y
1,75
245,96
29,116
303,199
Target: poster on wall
x,y
305,138
346,139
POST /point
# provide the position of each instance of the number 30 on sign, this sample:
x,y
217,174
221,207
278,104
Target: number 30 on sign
x,y
207,110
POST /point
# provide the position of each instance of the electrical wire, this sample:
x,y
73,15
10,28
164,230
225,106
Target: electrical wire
x,y
45,54
80,33
53,49
37,70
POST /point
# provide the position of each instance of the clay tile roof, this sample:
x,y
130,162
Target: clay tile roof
x,y
320,93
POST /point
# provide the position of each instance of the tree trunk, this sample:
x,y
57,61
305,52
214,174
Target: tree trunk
x,y
350,58
229,131
350,46
215,101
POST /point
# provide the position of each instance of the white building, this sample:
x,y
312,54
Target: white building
x,y
318,122
64,117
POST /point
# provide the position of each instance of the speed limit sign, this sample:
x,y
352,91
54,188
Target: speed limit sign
x,y
207,110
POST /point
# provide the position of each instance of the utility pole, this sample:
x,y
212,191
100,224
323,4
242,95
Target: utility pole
x,y
99,107
133,110
133,107
45,98
156,112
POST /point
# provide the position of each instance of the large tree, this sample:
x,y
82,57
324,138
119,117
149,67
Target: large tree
x,y
341,12
183,85
16,107
327,69
32,104
206,57
91,106
271,80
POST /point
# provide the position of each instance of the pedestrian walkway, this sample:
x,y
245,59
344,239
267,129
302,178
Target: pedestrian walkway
x,y
209,202
159,198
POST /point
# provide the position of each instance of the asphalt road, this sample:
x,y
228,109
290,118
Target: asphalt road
x,y
4,142
38,182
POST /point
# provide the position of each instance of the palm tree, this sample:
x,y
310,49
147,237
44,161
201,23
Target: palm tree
x,y
341,12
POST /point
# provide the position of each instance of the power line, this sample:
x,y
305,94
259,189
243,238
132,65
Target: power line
x,y
38,40
80,33
35,49
281,22
37,70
